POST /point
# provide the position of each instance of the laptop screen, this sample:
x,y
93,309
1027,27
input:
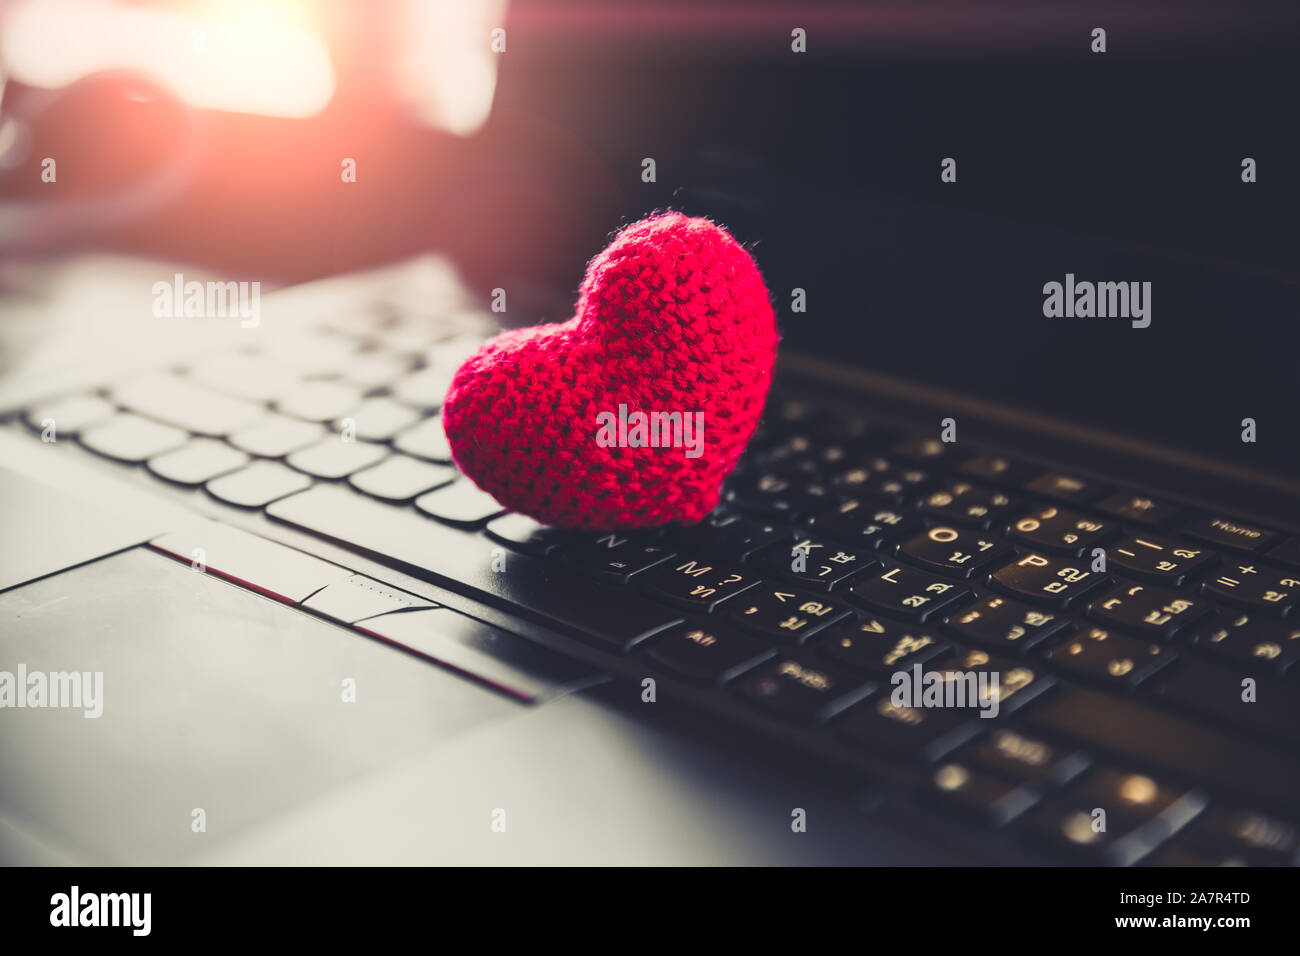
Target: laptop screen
x,y
1105,235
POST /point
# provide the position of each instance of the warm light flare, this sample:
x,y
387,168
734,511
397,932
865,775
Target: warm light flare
x,y
250,57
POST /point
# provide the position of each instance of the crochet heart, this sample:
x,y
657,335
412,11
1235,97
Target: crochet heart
x,y
631,413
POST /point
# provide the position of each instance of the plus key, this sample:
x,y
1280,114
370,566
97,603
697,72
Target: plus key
x,y
1254,587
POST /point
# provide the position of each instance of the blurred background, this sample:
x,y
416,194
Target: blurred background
x,y
511,136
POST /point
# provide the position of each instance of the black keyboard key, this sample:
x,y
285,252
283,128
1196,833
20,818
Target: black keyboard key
x,y
847,427
833,456
460,504
905,592
788,413
1017,682
799,688
773,495
1114,817
698,584
1159,560
523,534
1131,730
1062,531
542,591
951,551
818,564
797,470
1225,837
1104,657
981,797
960,502
784,616
1229,533
1067,488
1181,854
1253,642
785,445
1003,624
1130,798
616,558
997,470
861,470
880,648
1147,611
924,734
793,458
257,485
1287,553
766,494
1139,508
730,536
1266,709
766,439
924,450
1255,587
1055,582
809,497
879,481
1027,757
864,523
706,653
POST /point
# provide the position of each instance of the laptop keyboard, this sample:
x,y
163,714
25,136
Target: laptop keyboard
x,y
846,550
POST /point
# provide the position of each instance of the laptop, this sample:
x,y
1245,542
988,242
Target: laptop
x,y
1008,575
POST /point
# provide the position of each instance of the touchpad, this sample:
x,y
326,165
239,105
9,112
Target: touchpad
x,y
178,710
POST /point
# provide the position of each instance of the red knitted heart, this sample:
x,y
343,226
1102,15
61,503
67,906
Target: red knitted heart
x,y
672,317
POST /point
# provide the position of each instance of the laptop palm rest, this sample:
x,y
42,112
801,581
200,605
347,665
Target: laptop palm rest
x,y
218,710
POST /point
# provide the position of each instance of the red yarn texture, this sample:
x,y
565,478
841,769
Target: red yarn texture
x,y
672,317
